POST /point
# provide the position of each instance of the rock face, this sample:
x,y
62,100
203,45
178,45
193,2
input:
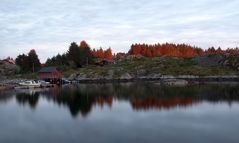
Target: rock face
x,y
7,69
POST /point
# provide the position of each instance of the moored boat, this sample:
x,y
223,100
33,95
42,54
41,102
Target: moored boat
x,y
30,83
43,83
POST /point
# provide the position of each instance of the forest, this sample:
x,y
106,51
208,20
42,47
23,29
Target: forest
x,y
175,50
82,55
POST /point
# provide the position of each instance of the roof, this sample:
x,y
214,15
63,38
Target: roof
x,y
9,60
47,69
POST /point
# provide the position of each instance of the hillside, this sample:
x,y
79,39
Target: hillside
x,y
7,69
143,67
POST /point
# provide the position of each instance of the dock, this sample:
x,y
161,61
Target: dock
x,y
31,87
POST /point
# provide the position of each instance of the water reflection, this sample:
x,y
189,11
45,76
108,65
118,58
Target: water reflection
x,y
5,96
30,98
80,99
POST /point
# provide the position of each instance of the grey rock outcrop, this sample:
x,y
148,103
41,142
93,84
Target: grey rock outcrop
x,y
7,69
126,76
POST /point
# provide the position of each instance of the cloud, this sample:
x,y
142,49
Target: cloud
x,y
50,26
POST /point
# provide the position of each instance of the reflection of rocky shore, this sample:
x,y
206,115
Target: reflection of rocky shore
x,y
80,99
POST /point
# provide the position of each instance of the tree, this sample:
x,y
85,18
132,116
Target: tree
x,y
22,62
167,49
148,53
103,54
80,55
75,54
87,57
28,63
83,44
108,54
34,62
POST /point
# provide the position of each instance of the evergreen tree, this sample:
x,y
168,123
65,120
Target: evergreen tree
x,y
28,63
22,62
75,54
34,62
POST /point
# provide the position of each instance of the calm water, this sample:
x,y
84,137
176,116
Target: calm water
x,y
122,113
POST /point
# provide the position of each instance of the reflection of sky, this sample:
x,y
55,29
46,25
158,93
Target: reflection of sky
x,y
49,25
204,122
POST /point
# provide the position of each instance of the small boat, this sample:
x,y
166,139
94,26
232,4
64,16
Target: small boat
x,y
65,81
43,83
30,83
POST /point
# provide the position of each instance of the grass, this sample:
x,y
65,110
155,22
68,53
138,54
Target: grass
x,y
23,76
148,66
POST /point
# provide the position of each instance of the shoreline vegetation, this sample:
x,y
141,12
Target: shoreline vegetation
x,y
170,64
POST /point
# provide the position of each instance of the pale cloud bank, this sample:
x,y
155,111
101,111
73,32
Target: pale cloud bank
x,y
49,26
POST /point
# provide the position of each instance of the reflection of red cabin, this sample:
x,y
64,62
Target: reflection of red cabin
x,y
49,73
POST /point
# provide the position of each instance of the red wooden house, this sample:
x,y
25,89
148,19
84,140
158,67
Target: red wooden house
x,y
9,60
49,73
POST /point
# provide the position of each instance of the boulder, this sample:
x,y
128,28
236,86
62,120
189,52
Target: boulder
x,y
126,76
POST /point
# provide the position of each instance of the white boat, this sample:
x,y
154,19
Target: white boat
x,y
43,83
30,83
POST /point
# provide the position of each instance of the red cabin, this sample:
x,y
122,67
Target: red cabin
x,y
49,73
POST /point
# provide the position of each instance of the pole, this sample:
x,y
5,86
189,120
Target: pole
x,y
33,68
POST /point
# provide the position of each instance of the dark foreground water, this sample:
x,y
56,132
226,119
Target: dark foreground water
x,y
122,113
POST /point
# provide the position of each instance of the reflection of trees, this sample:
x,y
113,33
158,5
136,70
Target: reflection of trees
x,y
165,103
28,98
154,96
80,99
143,95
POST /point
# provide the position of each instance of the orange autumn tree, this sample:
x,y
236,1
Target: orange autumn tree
x,y
167,49
176,50
103,54
108,54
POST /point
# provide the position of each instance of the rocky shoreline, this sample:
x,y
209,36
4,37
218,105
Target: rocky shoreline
x,y
128,77
9,84
163,79
181,80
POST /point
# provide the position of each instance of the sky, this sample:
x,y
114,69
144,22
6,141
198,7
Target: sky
x,y
49,26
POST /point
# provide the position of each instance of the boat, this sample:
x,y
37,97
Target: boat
x,y
43,83
30,84
65,81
